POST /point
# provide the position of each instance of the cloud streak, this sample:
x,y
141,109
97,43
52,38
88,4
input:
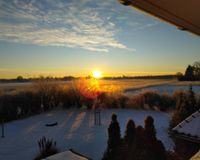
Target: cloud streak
x,y
58,23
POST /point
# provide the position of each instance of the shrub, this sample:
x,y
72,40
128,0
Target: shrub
x,y
70,97
48,92
47,148
151,100
136,102
136,144
150,131
186,104
167,102
109,100
129,136
114,140
114,133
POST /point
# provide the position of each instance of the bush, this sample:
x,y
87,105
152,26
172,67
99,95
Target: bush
x,y
151,100
129,136
114,140
45,96
47,148
186,104
48,92
136,102
138,143
109,100
19,105
70,97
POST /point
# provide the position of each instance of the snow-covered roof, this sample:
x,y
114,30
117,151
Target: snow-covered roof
x,y
70,155
196,156
189,128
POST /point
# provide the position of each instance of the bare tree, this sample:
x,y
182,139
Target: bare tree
x,y
197,69
47,89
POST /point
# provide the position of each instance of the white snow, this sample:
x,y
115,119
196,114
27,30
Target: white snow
x,y
163,89
75,130
65,155
190,125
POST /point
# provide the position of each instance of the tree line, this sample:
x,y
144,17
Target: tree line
x,y
192,73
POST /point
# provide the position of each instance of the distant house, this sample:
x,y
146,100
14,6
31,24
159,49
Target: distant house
x,y
68,155
189,129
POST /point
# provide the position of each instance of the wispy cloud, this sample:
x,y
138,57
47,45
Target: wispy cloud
x,y
58,23
89,24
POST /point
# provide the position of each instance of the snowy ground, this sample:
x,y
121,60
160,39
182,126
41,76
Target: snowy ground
x,y
163,89
75,130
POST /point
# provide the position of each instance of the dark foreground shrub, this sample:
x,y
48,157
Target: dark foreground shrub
x,y
186,104
47,148
19,105
151,100
138,143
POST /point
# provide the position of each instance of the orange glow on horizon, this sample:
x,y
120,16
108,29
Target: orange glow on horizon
x,y
89,88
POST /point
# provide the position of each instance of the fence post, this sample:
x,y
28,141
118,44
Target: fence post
x,y
97,117
2,129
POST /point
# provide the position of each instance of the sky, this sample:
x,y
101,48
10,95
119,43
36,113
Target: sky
x,y
73,37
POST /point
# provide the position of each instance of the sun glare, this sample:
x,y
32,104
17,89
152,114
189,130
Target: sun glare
x,y
97,74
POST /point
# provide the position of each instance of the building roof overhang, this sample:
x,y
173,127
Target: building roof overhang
x,y
183,14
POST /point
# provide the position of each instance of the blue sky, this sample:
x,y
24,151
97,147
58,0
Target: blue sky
x,y
59,37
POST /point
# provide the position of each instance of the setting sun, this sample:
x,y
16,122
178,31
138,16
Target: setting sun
x,y
97,74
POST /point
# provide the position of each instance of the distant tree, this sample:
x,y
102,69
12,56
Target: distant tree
x,y
192,72
129,136
20,78
189,73
179,75
196,67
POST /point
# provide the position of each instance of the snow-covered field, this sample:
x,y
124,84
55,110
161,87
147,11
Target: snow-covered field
x,y
75,130
163,89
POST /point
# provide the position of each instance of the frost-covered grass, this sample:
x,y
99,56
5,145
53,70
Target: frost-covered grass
x,y
113,85
105,85
75,130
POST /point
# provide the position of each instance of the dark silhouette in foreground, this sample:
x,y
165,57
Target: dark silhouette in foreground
x,y
138,143
47,148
